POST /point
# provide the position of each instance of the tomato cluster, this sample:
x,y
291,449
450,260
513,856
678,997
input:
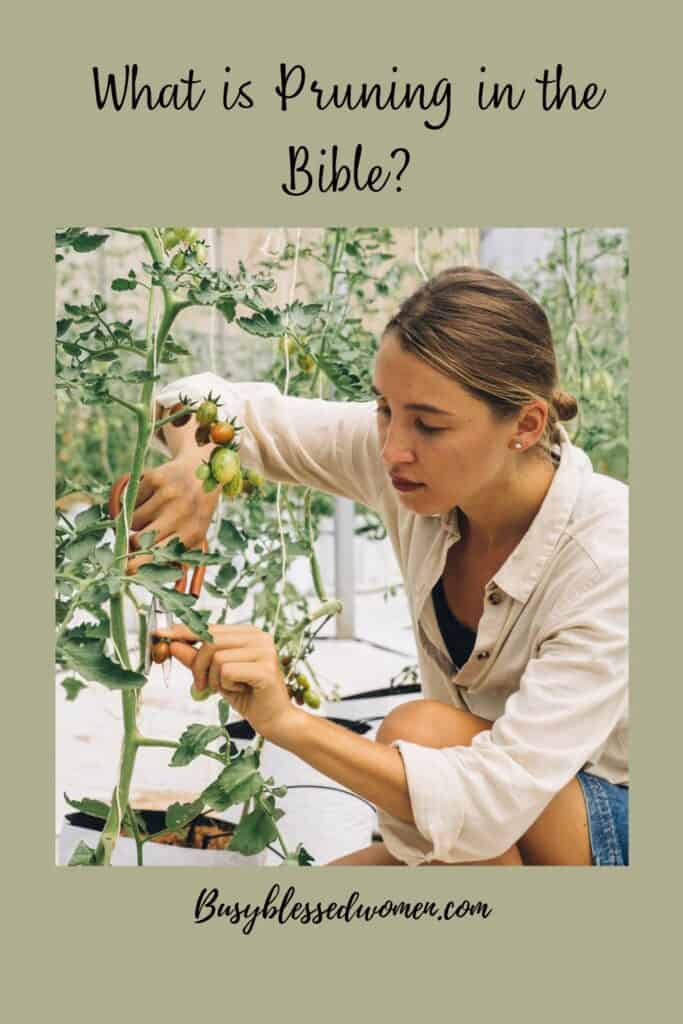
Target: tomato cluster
x,y
299,687
223,467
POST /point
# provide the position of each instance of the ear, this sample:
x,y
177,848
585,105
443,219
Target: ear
x,y
530,425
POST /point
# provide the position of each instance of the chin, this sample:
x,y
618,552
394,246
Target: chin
x,y
423,504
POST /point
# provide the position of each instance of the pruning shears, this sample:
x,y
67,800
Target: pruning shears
x,y
156,611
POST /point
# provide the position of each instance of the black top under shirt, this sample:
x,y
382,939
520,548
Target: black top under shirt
x,y
459,639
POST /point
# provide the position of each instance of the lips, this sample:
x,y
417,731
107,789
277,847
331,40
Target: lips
x,y
404,485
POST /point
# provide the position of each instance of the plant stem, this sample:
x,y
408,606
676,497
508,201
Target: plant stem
x,y
313,558
149,741
129,698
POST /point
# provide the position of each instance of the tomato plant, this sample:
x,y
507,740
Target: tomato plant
x,y
94,356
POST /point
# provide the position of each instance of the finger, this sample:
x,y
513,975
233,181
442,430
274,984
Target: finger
x,y
145,511
220,658
202,664
183,653
239,674
177,631
147,487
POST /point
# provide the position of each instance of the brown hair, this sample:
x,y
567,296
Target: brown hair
x,y
481,330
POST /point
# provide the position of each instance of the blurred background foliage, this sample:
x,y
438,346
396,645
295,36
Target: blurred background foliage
x,y
361,275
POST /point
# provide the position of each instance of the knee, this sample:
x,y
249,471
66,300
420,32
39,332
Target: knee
x,y
429,723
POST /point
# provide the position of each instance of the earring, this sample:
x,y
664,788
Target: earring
x,y
517,444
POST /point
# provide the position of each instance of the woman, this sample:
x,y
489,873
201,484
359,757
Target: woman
x,y
514,555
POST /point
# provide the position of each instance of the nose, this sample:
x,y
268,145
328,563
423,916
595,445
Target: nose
x,y
395,450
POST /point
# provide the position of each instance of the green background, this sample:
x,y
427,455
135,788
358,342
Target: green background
x,y
561,944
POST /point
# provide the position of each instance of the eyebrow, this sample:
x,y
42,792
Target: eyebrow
x,y
417,406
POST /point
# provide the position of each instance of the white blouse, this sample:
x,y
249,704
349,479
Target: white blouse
x,y
549,666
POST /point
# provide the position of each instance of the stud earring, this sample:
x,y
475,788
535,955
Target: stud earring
x,y
517,444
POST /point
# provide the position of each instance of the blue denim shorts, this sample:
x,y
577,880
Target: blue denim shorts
x,y
607,806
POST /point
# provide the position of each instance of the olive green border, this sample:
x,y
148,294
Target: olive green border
x,y
561,943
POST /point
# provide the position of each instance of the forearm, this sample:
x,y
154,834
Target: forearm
x,y
372,770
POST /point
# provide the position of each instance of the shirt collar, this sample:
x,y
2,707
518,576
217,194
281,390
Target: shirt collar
x,y
522,569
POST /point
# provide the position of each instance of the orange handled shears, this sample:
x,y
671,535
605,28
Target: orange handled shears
x,y
196,581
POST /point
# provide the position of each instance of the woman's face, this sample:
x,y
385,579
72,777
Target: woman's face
x,y
435,435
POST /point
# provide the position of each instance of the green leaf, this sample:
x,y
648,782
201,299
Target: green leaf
x,y
225,576
87,657
123,284
237,596
105,356
82,857
266,324
81,548
237,783
97,808
175,551
152,576
194,742
88,518
253,833
227,308
73,687
104,557
86,243
179,815
230,537
223,712
63,326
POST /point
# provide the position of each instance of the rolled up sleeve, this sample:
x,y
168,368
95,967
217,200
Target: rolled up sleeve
x,y
331,446
472,803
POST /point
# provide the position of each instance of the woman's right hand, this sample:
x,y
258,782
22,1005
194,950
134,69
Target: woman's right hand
x,y
171,500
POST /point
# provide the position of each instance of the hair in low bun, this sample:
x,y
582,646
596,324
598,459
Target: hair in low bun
x,y
565,404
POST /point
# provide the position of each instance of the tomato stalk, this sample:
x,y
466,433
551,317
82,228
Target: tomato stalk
x,y
129,698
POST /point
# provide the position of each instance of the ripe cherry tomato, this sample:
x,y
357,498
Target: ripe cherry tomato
x,y
161,651
222,433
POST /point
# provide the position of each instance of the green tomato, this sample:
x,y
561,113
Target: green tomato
x,y
200,694
306,362
287,344
178,261
210,484
200,253
202,472
234,487
207,413
225,464
254,478
312,699
170,238
303,682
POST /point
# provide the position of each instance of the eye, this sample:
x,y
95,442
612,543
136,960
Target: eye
x,y
424,429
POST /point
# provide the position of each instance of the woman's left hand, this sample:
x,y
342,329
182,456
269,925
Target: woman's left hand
x,y
242,665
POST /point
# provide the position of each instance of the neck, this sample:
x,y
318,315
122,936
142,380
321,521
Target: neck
x,y
501,515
